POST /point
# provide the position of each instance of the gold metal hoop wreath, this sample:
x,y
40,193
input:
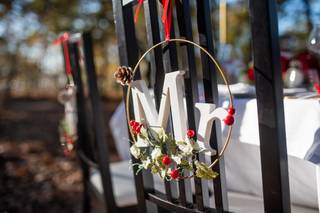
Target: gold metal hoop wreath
x,y
180,40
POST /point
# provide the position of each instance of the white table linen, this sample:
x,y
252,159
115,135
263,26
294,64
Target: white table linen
x,y
243,167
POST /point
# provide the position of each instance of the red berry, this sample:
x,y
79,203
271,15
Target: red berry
x,y
135,125
166,160
175,174
132,122
229,120
231,111
190,133
137,128
66,152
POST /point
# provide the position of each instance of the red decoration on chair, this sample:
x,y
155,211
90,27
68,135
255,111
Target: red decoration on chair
x,y
66,152
135,126
175,174
317,87
140,2
191,133
250,73
231,111
229,120
166,160
63,39
132,122
167,17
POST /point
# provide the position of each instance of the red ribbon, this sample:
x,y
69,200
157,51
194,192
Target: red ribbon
x,y
167,17
137,10
63,39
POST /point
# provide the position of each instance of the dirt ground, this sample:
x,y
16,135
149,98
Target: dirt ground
x,y
35,176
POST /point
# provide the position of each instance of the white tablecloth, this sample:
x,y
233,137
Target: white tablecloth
x,y
243,167
302,119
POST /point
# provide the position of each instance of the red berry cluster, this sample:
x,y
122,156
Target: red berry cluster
x,y
229,120
135,126
166,160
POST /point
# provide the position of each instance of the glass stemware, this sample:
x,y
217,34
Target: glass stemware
x,y
314,47
314,40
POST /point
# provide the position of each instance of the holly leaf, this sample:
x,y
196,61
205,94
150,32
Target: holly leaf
x,y
203,171
135,151
185,164
154,169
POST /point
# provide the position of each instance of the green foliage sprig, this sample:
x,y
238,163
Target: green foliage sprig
x,y
163,155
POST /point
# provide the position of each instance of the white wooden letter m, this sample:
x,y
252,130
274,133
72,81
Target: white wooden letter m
x,y
173,98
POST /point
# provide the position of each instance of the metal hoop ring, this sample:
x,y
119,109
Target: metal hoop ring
x,y
225,79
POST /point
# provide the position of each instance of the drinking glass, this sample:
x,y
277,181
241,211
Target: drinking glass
x,y
314,40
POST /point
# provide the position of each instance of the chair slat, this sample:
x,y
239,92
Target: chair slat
x,y
266,55
160,199
98,123
128,52
211,96
153,37
191,88
157,70
82,125
86,160
170,55
84,140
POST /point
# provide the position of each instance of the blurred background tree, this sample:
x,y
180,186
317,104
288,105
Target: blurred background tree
x,y
27,29
28,61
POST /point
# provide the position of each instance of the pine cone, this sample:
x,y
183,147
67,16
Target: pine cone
x,y
124,75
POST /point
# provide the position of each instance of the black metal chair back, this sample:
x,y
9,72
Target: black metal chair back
x,y
93,147
266,56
